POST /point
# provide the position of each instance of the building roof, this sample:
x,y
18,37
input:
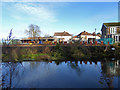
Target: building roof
x,y
75,36
62,34
30,38
112,24
99,35
94,34
84,33
33,38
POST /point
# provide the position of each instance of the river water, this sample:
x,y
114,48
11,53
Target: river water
x,y
64,74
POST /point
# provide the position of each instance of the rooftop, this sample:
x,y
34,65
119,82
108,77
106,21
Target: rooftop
x,y
112,24
62,34
84,33
33,38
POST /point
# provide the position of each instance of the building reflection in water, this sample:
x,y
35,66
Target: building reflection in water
x,y
0,75
110,69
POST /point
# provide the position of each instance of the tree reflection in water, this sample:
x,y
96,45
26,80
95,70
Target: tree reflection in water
x,y
0,75
109,70
11,72
74,65
58,62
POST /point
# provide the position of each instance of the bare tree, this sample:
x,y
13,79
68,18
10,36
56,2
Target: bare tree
x,y
34,31
46,35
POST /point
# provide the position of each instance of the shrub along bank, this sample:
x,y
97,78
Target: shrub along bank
x,y
59,52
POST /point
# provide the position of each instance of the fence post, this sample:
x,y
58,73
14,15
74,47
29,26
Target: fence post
x,y
95,42
85,42
81,43
101,42
65,42
70,42
55,42
90,42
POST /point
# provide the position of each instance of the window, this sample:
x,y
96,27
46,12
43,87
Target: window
x,y
116,38
113,30
119,38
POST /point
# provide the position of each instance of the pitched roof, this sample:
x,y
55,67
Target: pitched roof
x,y
30,38
84,33
99,35
33,38
75,36
112,24
94,34
62,34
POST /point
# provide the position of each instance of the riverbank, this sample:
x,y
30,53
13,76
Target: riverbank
x,y
59,52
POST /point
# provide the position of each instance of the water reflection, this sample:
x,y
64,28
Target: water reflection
x,y
75,66
56,74
11,72
110,70
0,75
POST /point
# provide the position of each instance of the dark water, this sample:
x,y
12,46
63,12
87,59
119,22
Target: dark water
x,y
66,74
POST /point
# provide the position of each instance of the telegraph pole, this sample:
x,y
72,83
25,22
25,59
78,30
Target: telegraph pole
x,y
95,34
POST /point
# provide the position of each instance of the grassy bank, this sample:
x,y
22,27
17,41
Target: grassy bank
x,y
59,52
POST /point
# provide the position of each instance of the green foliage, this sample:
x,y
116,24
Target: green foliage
x,y
118,44
117,52
5,57
78,54
57,56
59,52
47,50
58,48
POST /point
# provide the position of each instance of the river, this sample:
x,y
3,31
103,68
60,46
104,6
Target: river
x,y
64,74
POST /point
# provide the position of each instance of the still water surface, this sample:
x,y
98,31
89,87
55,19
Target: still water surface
x,y
65,74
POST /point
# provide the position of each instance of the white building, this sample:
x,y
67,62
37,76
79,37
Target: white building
x,y
85,36
75,39
111,30
62,36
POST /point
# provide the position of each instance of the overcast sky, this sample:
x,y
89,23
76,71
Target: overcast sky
x,y
73,17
